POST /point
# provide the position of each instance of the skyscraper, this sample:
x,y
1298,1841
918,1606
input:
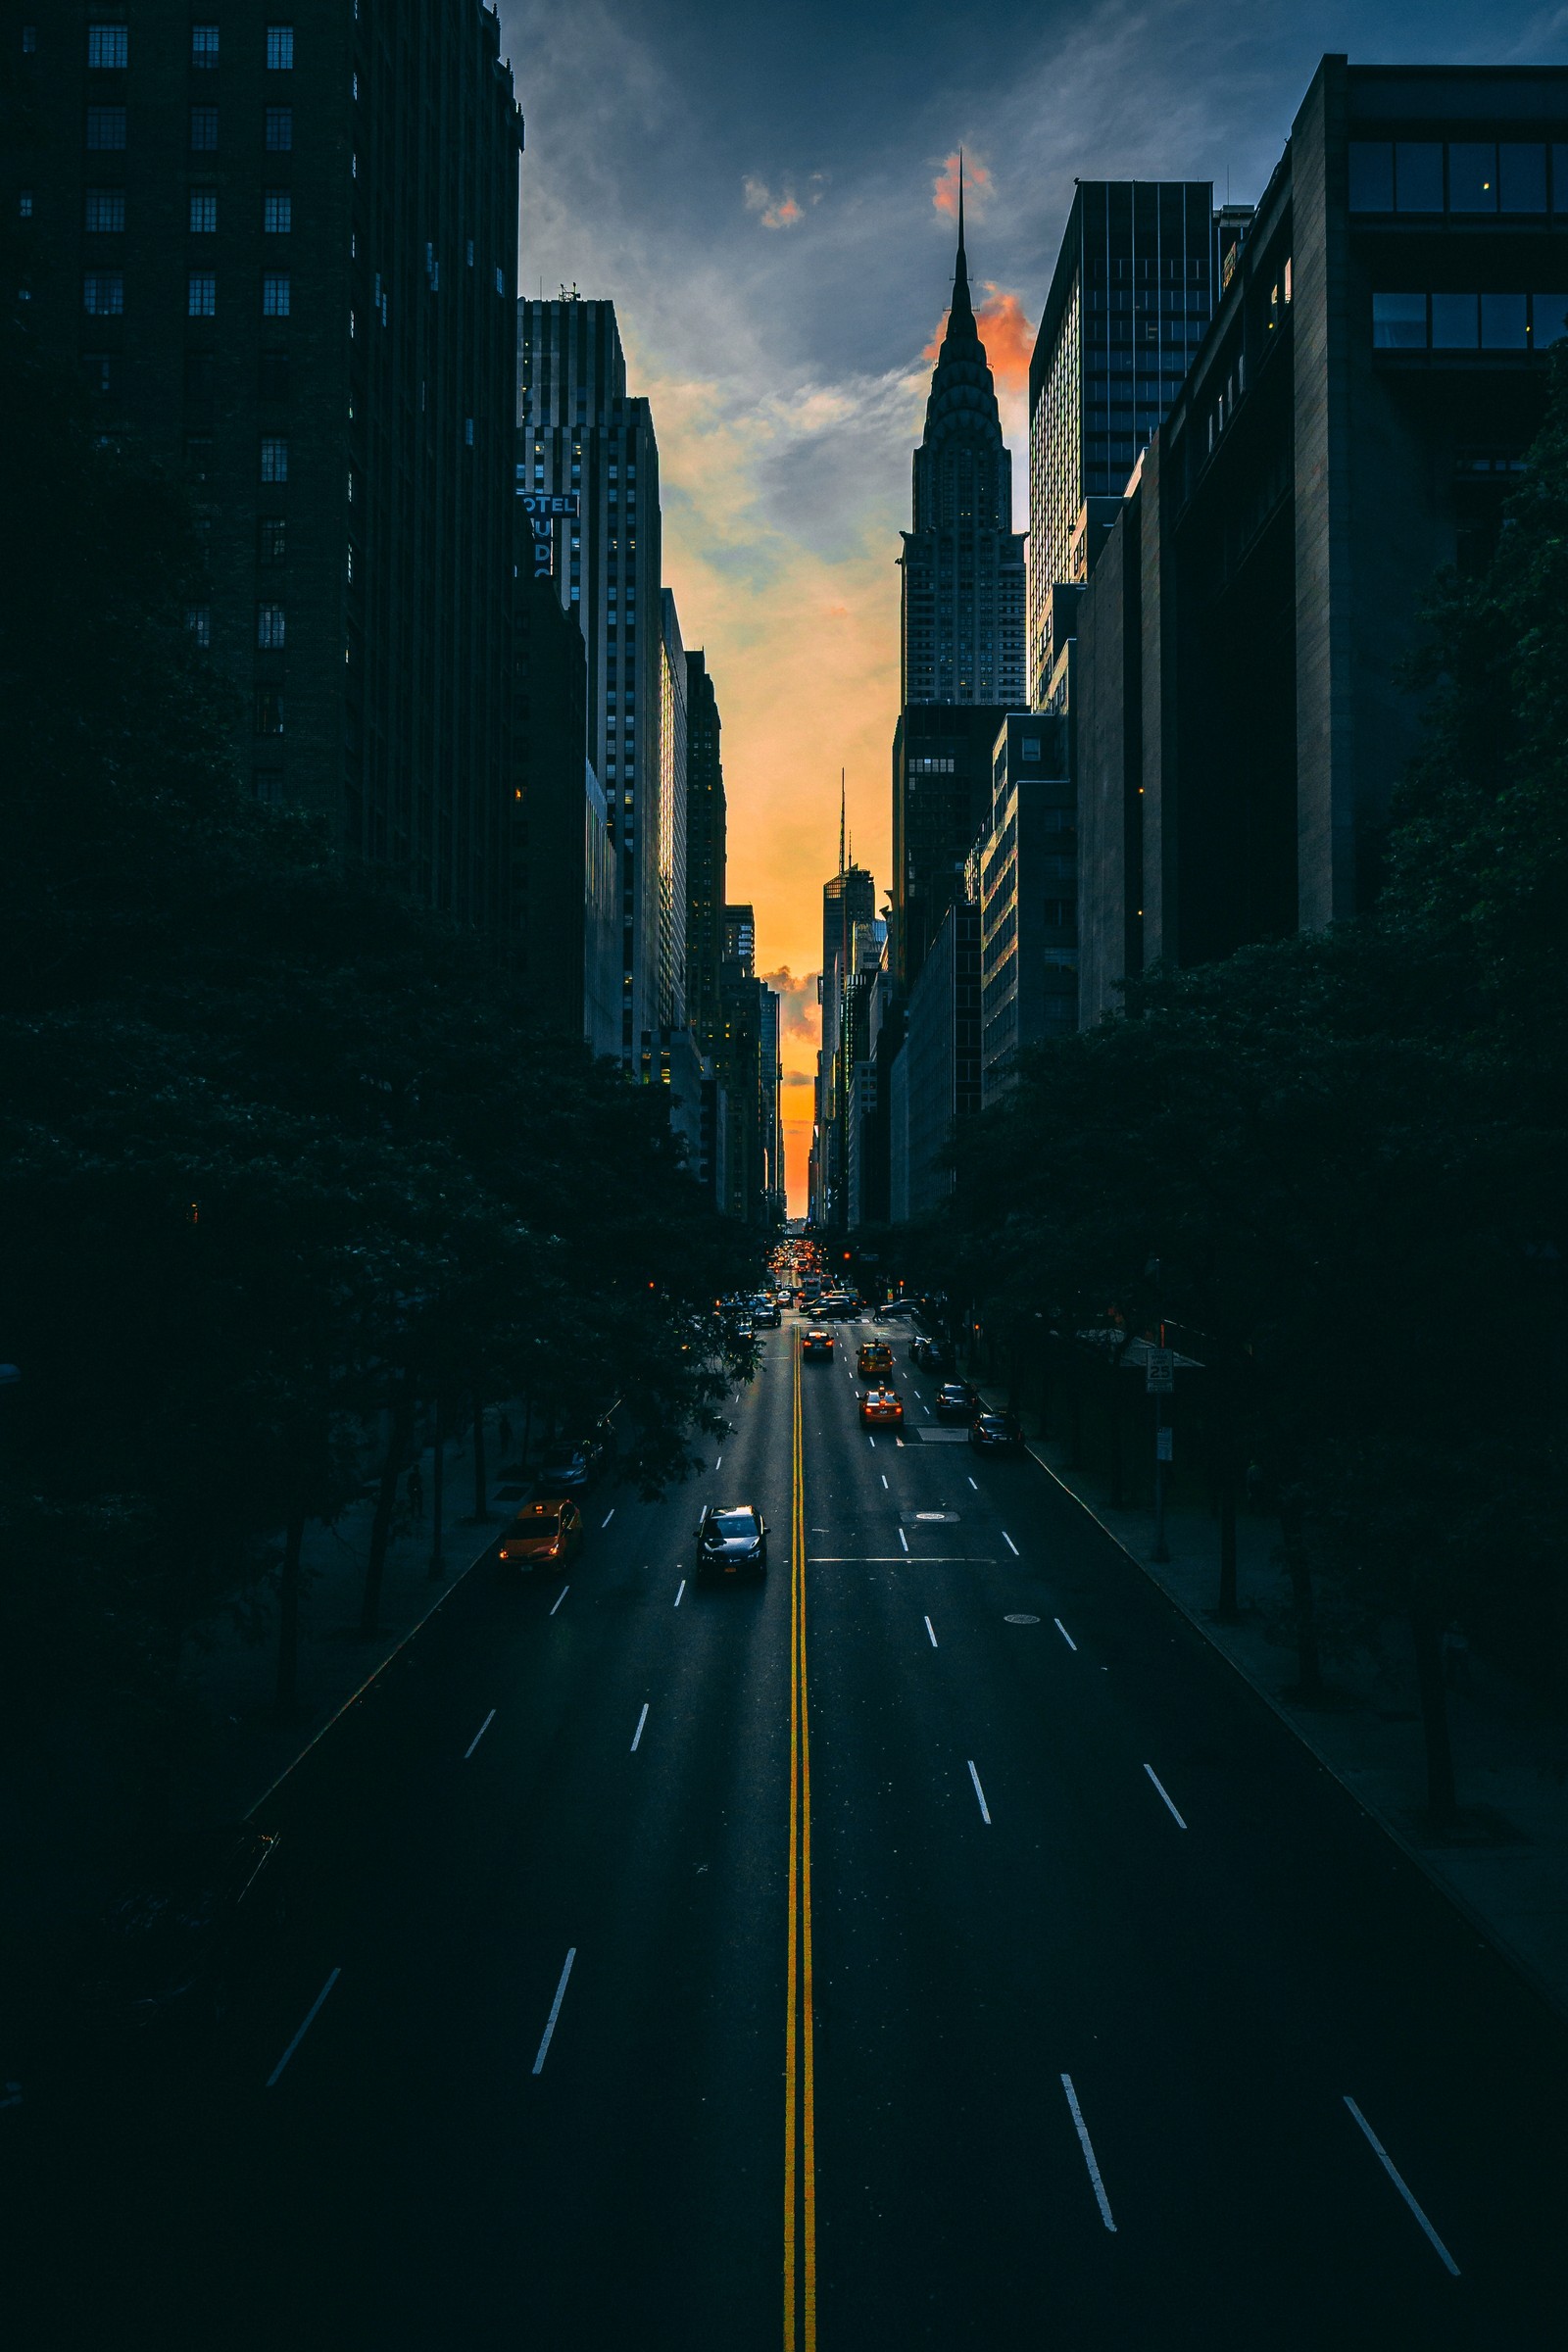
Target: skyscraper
x,y
669,1003
849,907
282,257
579,431
963,621
1129,303
704,854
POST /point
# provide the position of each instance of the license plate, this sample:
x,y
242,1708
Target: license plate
x,y
729,1567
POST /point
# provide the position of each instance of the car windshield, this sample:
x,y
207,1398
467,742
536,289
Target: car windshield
x,y
541,1523
725,1527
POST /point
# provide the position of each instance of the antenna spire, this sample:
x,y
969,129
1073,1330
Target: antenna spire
x,y
961,200
842,805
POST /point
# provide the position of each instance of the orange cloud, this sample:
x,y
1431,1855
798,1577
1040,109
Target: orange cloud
x,y
976,188
1006,334
778,211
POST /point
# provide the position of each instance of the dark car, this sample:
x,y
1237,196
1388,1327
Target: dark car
x,y
930,1352
731,1541
567,1472
957,1401
767,1317
818,1345
173,1944
996,1433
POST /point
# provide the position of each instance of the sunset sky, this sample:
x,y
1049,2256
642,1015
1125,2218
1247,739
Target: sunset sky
x,y
767,195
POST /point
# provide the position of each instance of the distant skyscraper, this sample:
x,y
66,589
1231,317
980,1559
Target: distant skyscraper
x,y
579,431
1129,303
324,357
849,907
964,635
705,853
671,819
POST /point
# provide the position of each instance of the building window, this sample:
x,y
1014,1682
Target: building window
x,y
1502,323
269,711
279,48
271,539
204,44
108,46
1454,321
274,459
199,622
105,214
1371,175
203,129
1399,321
29,40
1522,178
106,129
201,295
1418,176
275,296
270,628
1472,176
467,430
103,293
279,129
204,212
24,205
277,211
1548,319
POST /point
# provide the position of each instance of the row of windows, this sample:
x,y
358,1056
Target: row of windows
x,y
1477,175
108,129
104,212
1468,321
103,294
109,46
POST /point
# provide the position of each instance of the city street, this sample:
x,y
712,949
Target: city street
x,y
991,1968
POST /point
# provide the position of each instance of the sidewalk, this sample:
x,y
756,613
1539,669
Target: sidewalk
x,y
64,1834
1506,1863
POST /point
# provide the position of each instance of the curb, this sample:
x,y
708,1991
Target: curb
x,y
374,1676
1500,1944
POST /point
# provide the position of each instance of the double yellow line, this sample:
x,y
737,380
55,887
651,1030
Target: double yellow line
x,y
800,2084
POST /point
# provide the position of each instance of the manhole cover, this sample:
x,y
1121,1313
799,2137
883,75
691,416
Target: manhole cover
x,y
1021,1621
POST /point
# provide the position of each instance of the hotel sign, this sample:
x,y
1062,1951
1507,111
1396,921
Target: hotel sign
x,y
544,510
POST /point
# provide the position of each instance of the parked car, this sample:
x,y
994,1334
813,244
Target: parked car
x,y
881,1408
569,1470
875,1360
548,1530
818,1345
957,1401
731,1541
996,1433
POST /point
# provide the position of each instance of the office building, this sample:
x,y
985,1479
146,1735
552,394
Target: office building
x,y
564,914
940,797
670,997
1374,373
282,258
849,902
1025,871
582,435
749,1078
705,853
964,596
937,1075
1130,299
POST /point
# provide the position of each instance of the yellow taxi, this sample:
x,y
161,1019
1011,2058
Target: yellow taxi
x,y
875,1360
542,1532
881,1407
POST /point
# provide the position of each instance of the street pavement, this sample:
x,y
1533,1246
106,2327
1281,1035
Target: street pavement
x,y
938,1945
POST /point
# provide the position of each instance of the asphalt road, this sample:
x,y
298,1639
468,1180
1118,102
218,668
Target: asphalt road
x,y
980,1966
